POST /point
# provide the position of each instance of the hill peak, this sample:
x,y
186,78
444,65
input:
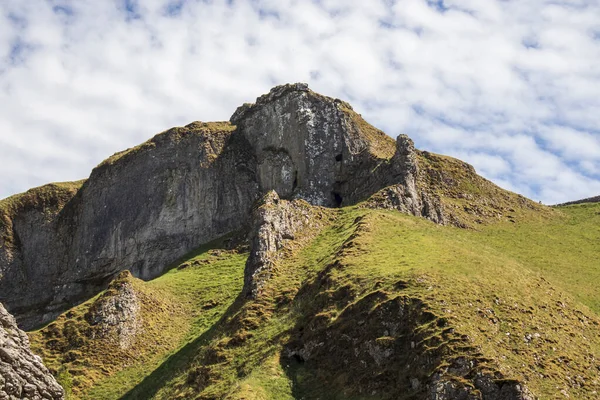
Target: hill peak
x,y
145,207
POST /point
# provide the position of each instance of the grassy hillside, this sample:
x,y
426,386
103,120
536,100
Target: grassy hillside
x,y
470,200
176,309
345,314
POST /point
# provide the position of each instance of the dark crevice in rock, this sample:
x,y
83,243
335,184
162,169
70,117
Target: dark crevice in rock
x,y
337,199
298,358
295,184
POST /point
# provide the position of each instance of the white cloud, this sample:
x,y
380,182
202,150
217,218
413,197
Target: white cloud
x,y
512,87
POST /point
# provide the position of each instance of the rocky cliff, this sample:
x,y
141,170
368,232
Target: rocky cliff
x,y
143,208
22,374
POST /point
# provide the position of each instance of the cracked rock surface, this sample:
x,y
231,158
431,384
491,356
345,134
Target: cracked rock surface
x,y
116,315
277,223
22,374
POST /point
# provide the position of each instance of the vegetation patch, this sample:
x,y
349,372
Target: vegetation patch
x,y
48,199
380,144
470,200
371,305
174,135
175,309
400,291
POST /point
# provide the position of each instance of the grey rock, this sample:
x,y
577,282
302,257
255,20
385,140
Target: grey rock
x,y
312,147
487,387
22,374
116,315
404,193
445,386
497,389
276,222
144,208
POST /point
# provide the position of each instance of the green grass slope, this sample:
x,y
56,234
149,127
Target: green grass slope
x,y
371,308
176,309
526,311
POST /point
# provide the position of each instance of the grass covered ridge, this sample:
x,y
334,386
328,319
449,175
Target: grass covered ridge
x,y
48,199
470,200
372,292
215,131
463,298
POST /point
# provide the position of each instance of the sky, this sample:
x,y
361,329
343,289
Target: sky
x,y
512,87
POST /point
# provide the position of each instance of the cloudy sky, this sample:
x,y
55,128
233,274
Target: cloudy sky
x,y
511,86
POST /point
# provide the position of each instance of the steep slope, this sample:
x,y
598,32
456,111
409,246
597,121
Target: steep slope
x,y
377,304
104,347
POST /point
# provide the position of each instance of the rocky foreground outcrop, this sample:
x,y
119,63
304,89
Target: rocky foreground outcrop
x,y
22,374
116,315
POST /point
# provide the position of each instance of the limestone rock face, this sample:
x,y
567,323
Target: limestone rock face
x,y
144,208
309,146
404,194
276,223
116,315
140,210
22,374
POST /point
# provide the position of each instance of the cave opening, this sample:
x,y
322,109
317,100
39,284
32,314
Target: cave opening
x,y
339,157
337,199
298,358
295,184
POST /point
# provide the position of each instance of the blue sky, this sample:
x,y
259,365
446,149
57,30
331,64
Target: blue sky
x,y
512,87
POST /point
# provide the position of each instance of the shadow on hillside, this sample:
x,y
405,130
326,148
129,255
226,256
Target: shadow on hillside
x,y
177,363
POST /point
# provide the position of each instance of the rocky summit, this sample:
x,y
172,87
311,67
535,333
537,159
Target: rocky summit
x,y
144,208
295,252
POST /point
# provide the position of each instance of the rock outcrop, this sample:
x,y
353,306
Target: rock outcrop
x,y
461,380
313,147
276,223
388,346
22,374
143,208
406,195
116,315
